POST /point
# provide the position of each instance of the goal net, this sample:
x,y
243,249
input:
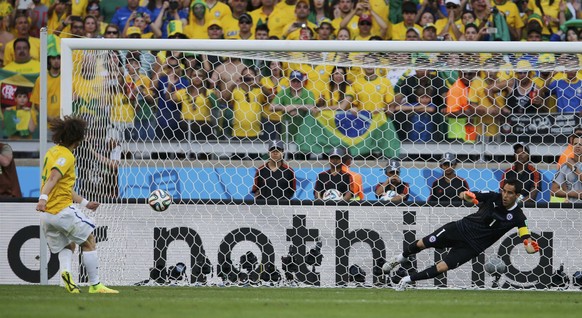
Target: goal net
x,y
207,121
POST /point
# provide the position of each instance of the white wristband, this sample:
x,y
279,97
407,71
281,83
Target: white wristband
x,y
84,203
43,197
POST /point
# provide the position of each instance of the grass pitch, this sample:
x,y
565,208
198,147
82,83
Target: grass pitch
x,y
182,302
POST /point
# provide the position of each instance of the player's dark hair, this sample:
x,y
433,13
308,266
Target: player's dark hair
x,y
517,185
68,131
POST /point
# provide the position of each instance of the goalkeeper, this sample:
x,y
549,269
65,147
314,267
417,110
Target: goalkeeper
x,y
470,236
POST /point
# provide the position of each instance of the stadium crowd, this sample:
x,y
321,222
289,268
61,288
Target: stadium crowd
x,y
178,95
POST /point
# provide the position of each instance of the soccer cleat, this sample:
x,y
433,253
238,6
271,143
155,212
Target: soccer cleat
x,y
402,285
101,289
393,263
70,285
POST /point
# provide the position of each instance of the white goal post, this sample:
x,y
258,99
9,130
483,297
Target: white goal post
x,y
220,230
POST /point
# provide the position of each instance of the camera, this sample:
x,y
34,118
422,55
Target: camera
x,y
174,5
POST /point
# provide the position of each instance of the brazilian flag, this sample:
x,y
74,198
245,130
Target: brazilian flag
x,y
363,134
9,83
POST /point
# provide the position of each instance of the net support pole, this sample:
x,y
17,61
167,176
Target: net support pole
x,y
67,78
42,123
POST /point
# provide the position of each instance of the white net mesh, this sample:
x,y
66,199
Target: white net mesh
x,y
199,123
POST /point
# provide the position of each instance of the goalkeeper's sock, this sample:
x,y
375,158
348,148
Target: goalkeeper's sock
x,y
411,249
91,262
430,272
65,258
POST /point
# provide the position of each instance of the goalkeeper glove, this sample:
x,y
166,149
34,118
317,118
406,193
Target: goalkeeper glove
x,y
472,196
531,246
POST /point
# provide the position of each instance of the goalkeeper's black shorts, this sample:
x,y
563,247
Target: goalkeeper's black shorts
x,y
448,236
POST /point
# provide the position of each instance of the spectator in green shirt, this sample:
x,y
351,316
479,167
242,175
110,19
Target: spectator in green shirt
x,y
295,101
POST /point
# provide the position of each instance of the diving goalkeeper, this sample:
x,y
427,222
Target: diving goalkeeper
x,y
470,236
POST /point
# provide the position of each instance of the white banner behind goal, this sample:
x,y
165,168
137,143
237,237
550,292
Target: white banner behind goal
x,y
133,238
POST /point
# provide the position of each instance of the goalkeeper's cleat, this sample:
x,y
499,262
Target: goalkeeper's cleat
x,y
402,285
70,285
101,289
393,263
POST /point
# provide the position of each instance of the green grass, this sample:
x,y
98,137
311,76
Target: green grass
x,y
183,302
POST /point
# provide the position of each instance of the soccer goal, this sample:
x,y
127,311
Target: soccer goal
x,y
197,118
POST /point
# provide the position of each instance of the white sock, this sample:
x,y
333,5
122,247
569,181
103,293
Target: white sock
x,y
406,279
401,258
91,262
65,258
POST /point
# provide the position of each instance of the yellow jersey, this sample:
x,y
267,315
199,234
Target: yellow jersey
x,y
333,99
268,83
63,160
53,92
247,112
399,31
511,12
373,94
196,31
259,17
30,67
478,94
282,15
552,10
122,110
352,25
230,27
79,7
193,109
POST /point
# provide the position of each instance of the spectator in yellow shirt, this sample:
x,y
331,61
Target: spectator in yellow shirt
x,y
53,81
409,12
247,102
282,15
293,30
22,31
197,28
262,14
230,23
23,62
195,101
512,17
245,23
